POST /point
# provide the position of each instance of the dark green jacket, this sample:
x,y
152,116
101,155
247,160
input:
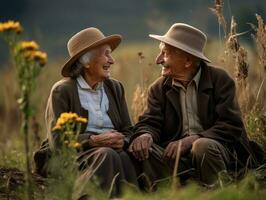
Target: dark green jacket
x,y
64,98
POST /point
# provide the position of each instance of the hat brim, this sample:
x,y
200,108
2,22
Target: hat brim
x,y
179,46
112,40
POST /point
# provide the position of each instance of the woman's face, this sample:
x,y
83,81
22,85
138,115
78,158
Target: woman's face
x,y
99,66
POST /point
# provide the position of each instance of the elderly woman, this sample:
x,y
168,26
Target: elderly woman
x,y
89,91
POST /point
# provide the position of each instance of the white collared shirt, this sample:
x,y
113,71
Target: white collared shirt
x,y
189,105
97,104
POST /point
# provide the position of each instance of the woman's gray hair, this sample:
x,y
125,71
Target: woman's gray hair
x,y
77,67
85,58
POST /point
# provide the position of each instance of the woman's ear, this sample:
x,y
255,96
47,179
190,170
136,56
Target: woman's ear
x,y
87,66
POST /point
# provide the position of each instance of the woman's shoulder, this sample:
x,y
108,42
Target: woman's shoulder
x,y
113,83
115,86
64,84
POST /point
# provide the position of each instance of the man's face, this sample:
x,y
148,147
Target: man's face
x,y
100,63
172,61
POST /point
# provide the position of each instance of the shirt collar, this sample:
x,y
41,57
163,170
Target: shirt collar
x,y
84,85
195,79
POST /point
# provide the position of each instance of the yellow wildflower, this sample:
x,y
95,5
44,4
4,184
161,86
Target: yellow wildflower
x,y
73,116
81,120
74,144
10,25
39,56
69,117
28,45
56,128
60,122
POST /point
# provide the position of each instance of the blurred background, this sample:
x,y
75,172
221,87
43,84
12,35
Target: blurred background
x,y
52,22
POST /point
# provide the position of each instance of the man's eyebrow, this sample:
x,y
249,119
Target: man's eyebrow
x,y
108,50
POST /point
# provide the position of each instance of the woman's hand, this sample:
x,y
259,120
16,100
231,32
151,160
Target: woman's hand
x,y
112,139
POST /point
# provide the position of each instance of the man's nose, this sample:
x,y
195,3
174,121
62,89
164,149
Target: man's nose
x,y
159,59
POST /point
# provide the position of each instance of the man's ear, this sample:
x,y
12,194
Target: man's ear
x,y
188,63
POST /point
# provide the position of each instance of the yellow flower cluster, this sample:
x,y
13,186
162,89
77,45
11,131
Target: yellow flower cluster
x,y
31,52
72,144
28,45
39,56
10,25
68,118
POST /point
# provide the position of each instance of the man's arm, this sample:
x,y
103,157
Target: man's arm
x,y
148,129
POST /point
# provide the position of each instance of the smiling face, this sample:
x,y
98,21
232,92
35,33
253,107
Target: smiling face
x,y
172,60
176,63
98,67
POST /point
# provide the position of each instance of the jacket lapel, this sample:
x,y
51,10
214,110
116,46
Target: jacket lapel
x,y
173,96
205,84
112,111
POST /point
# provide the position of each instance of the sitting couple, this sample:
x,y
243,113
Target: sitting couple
x,y
192,111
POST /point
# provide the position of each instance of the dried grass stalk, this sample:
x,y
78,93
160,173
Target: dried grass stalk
x,y
261,41
240,60
139,101
218,11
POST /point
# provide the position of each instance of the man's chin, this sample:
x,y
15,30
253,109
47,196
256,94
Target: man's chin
x,y
107,77
166,74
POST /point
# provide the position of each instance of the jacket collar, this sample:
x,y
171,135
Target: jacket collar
x,y
112,112
204,80
203,95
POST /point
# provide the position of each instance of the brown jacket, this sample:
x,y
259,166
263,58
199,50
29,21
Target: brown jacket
x,y
218,109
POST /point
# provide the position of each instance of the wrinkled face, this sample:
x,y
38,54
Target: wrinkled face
x,y
99,66
172,61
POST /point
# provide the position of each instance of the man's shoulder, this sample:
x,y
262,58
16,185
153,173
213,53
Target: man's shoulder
x,y
158,83
217,72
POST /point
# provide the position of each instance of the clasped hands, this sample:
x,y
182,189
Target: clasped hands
x,y
112,139
140,147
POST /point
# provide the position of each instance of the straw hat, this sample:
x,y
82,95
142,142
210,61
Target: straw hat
x,y
186,38
85,40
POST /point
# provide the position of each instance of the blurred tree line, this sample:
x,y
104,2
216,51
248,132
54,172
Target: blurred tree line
x,y
52,22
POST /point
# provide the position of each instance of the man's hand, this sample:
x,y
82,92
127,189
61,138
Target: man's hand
x,y
112,139
186,144
140,146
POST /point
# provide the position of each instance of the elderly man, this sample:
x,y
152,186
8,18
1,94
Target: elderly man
x,y
192,111
88,90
